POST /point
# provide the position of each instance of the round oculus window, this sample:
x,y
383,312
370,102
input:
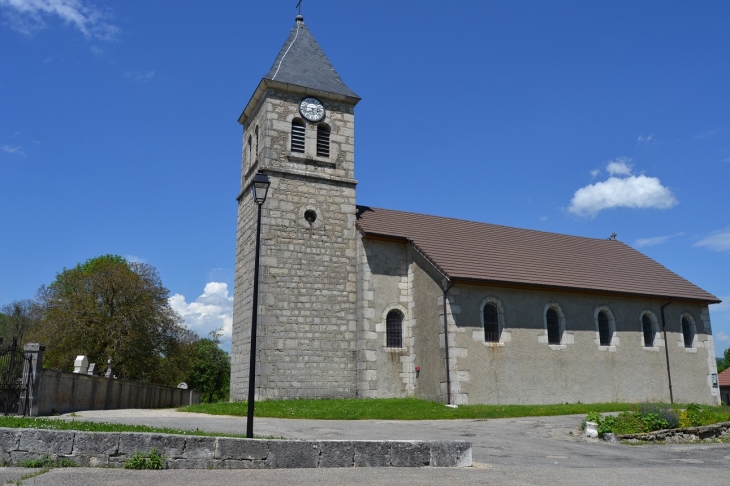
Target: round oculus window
x,y
310,216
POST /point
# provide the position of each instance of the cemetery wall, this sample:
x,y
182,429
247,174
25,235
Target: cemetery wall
x,y
64,392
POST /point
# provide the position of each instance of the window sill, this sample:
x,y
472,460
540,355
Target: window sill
x,y
309,160
491,344
691,350
610,349
557,347
652,348
395,350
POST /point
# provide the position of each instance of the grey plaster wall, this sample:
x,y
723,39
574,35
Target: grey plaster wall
x,y
307,308
429,350
524,368
386,284
64,392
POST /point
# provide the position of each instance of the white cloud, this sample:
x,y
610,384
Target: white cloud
x,y
135,259
140,77
638,192
595,173
721,336
717,241
655,240
646,139
212,310
543,218
707,134
14,150
28,16
724,306
620,166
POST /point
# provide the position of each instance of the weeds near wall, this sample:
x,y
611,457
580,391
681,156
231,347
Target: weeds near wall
x,y
148,460
650,417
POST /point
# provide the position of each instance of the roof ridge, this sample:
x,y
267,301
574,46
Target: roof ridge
x,y
591,238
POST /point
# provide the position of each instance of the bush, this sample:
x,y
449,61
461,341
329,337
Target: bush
x,y
149,460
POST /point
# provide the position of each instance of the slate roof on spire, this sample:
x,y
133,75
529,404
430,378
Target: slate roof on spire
x,y
303,62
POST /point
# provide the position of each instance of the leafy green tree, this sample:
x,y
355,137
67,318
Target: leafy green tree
x,y
721,364
211,370
17,318
109,307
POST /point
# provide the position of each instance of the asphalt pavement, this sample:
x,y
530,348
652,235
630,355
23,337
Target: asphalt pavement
x,y
540,450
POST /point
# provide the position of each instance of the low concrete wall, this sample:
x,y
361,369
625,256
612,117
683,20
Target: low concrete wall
x,y
63,392
194,452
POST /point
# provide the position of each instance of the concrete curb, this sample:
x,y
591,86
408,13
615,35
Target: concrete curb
x,y
195,452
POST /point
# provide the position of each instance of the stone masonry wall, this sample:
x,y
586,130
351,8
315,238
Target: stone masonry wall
x,y
110,449
307,302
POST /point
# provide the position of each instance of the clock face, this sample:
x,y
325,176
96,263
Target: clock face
x,y
311,109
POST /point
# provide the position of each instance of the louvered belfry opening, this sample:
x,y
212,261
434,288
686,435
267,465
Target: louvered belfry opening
x,y
491,324
297,136
394,329
323,140
555,334
648,331
687,333
604,329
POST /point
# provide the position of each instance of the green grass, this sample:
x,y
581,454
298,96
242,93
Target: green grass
x,y
396,409
60,424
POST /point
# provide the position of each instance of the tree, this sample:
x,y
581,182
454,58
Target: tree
x,y
109,307
211,370
723,363
17,318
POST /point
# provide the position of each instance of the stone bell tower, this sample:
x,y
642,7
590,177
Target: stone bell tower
x,y
298,129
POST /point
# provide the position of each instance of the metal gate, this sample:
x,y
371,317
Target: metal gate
x,y
15,380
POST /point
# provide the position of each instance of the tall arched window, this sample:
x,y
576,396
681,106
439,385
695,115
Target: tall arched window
x,y
491,324
555,333
297,135
687,332
250,153
323,140
394,329
604,329
648,327
257,140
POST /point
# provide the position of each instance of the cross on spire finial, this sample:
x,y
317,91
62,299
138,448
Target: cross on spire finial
x,y
299,6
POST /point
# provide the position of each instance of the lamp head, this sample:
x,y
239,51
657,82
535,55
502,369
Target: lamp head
x,y
259,187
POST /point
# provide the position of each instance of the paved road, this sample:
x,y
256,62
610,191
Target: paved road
x,y
506,451
538,441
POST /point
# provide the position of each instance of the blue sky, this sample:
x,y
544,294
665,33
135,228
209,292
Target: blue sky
x,y
118,129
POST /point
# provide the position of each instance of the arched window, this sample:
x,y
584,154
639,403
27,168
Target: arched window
x,y
250,154
257,140
394,329
555,333
323,140
648,327
491,324
297,135
604,329
687,332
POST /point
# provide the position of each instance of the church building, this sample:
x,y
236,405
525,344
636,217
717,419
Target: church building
x,y
356,301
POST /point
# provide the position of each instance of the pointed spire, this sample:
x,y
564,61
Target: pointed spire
x,y
302,62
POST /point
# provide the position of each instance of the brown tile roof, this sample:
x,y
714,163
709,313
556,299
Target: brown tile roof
x,y
724,378
466,250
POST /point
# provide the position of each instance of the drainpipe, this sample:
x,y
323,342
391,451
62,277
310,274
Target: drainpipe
x,y
446,343
666,351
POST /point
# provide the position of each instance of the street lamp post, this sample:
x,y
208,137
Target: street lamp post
x,y
259,188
